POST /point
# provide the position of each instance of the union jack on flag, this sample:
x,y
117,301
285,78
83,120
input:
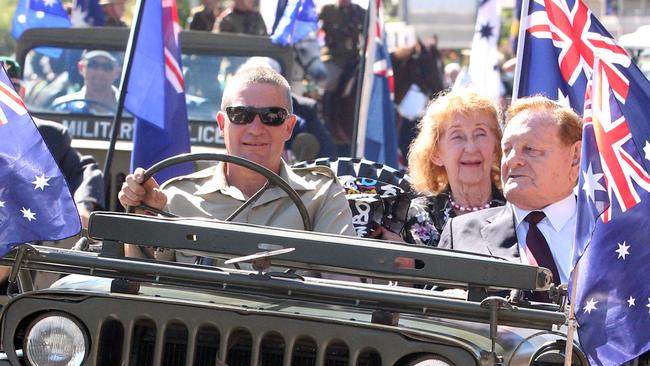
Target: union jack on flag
x,y
11,100
382,66
156,91
172,29
567,31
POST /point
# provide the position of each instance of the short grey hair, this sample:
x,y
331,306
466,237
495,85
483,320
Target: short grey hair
x,y
255,75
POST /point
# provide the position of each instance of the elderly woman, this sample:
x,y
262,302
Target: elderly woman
x,y
454,162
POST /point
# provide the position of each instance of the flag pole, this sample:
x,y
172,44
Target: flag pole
x,y
523,24
359,114
572,319
568,353
124,82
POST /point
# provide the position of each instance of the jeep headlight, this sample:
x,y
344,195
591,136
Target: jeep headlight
x,y
55,339
431,360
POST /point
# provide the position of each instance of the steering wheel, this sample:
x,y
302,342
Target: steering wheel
x,y
68,105
272,179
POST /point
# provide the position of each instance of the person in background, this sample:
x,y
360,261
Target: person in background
x,y
82,174
241,17
539,169
203,16
255,121
49,80
454,164
452,70
99,70
113,12
310,123
342,24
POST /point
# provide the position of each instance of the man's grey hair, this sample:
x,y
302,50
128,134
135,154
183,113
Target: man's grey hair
x,y
249,75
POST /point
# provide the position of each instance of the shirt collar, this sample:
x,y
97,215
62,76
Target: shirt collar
x,y
217,180
558,213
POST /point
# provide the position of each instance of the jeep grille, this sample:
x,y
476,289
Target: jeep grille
x,y
134,331
206,343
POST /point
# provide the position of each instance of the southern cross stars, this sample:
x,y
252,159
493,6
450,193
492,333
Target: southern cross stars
x,y
28,214
41,182
591,305
591,184
646,150
622,250
49,3
648,306
486,31
631,302
2,203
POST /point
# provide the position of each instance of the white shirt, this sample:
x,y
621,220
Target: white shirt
x,y
558,228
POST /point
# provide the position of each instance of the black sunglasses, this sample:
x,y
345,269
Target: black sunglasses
x,y
105,66
270,116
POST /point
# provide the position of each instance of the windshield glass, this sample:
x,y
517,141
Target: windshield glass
x,y
79,88
67,81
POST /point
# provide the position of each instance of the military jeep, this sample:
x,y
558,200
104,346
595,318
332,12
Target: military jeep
x,y
452,308
144,312
288,308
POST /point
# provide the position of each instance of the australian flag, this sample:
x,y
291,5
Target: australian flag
x,y
612,301
156,91
381,132
87,13
562,41
35,202
38,14
298,20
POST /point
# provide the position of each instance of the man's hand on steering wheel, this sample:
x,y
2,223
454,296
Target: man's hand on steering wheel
x,y
135,193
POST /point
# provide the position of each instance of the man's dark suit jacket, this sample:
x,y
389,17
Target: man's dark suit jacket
x,y
490,231
82,174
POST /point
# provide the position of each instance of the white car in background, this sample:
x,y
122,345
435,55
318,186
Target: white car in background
x,y
638,44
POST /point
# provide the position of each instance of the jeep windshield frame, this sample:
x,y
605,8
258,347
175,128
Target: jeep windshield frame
x,y
199,49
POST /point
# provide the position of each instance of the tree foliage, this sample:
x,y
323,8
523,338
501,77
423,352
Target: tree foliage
x,y
7,43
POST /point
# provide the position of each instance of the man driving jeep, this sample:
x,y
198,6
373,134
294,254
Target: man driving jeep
x,y
255,120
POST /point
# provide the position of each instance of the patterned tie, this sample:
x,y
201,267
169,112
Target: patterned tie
x,y
537,249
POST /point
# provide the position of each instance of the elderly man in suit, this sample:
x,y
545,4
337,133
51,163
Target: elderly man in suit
x,y
539,169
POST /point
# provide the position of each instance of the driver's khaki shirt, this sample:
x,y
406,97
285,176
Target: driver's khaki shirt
x,y
206,194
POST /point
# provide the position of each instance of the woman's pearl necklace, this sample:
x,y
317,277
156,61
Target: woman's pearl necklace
x,y
460,208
